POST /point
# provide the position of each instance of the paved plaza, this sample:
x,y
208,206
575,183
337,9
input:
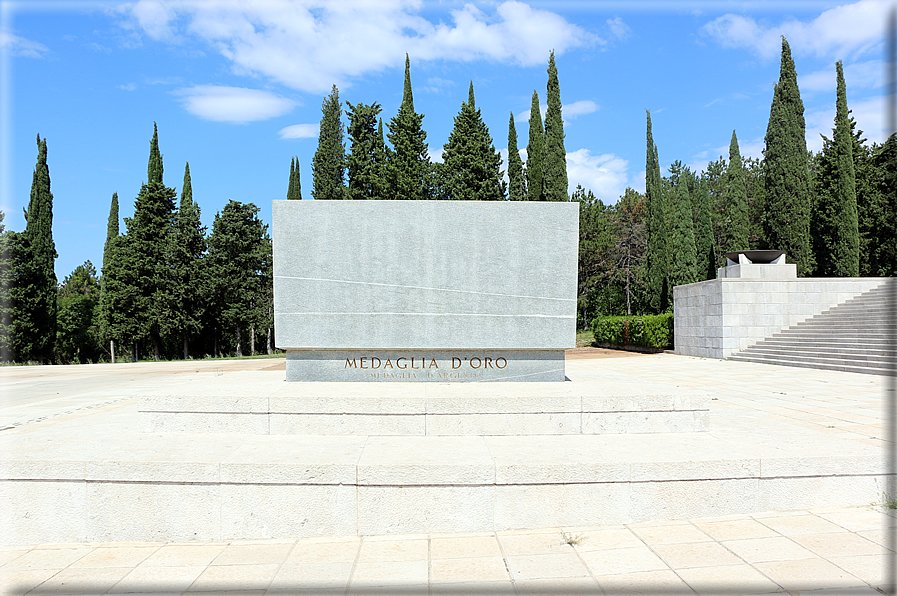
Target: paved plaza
x,y
824,550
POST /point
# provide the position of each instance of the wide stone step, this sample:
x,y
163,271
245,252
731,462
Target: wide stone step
x,y
268,406
839,349
820,358
843,367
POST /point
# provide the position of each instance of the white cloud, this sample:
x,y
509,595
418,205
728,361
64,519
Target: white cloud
x,y
313,44
860,75
300,131
849,29
751,148
869,116
618,28
605,175
19,46
232,104
128,87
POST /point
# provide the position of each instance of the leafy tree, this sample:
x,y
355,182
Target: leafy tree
x,y
683,255
78,337
787,209
883,260
594,240
554,160
628,250
471,165
534,153
655,230
329,163
738,228
294,190
148,296
409,164
517,186
875,214
366,155
34,278
238,249
187,252
834,224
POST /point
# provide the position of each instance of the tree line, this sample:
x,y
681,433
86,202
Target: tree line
x,y
833,212
170,289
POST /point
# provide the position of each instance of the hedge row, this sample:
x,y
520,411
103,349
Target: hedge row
x,y
648,331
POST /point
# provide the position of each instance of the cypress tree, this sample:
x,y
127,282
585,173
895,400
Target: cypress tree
x,y
738,232
294,190
516,188
834,227
106,285
706,255
471,165
7,330
787,207
147,298
554,160
364,168
683,255
381,159
329,163
34,295
534,153
188,248
409,162
655,229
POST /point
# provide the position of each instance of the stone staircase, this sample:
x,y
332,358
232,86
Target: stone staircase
x,y
854,336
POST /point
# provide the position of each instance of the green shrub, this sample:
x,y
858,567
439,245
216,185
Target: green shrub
x,y
647,331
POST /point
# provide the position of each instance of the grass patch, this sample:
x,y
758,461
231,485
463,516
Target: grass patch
x,y
584,337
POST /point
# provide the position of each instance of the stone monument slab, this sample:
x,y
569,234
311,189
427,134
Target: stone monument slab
x,y
487,289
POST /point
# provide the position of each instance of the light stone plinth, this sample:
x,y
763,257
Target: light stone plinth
x,y
750,302
441,366
401,277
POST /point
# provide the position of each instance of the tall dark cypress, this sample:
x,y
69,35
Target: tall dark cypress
x,y
108,280
706,255
554,160
834,225
189,291
294,190
154,166
34,291
787,208
738,230
409,161
535,153
683,255
329,163
516,188
655,228
471,167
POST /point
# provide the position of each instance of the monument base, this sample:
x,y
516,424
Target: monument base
x,y
442,366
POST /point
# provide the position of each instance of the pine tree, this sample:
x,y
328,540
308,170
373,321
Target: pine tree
x,y
78,338
534,153
106,285
655,229
683,255
329,164
738,228
787,206
516,186
294,190
148,294
187,251
409,163
834,225
34,289
554,160
364,155
471,165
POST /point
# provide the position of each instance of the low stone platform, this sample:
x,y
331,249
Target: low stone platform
x,y
261,403
773,445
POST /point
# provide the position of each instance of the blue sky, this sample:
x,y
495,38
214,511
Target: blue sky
x,y
236,87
